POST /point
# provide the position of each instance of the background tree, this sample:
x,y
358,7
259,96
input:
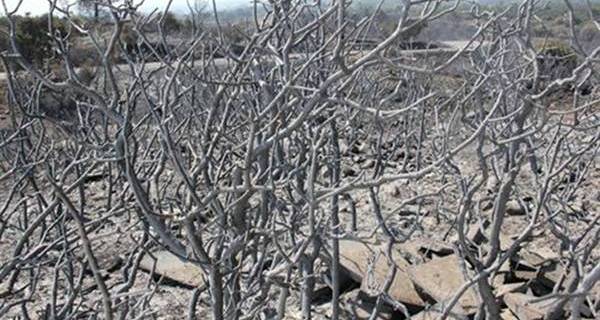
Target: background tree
x,y
90,7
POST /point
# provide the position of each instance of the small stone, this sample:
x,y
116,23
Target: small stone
x,y
514,208
348,172
434,313
520,304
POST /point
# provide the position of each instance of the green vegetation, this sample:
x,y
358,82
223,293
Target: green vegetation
x,y
556,58
32,37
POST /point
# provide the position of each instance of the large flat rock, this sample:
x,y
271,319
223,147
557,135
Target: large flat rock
x,y
370,266
354,258
173,268
442,278
402,288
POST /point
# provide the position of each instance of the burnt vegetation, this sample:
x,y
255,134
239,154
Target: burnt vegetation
x,y
299,159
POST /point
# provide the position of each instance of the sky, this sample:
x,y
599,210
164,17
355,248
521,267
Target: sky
x,y
36,7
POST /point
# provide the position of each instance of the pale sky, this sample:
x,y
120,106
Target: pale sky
x,y
41,6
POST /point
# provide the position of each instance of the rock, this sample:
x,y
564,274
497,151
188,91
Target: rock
x,y
390,165
370,164
492,185
369,266
173,268
344,149
501,276
476,232
393,190
359,159
114,264
359,307
323,288
358,148
442,278
425,248
348,171
522,270
541,265
521,306
435,313
402,288
4,290
411,210
514,208
398,156
506,288
506,241
354,258
525,275
506,314
538,258
94,177
550,275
